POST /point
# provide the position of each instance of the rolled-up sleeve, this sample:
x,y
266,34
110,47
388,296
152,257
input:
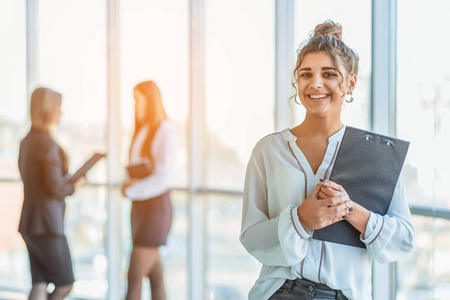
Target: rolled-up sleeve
x,y
276,241
390,237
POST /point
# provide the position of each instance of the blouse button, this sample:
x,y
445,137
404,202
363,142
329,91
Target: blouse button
x,y
388,143
367,138
311,288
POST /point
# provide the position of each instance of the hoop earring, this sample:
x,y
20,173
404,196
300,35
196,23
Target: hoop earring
x,y
351,98
297,100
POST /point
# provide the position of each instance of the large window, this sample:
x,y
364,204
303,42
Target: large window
x,y
239,112
423,105
240,104
154,46
13,126
423,117
71,59
239,86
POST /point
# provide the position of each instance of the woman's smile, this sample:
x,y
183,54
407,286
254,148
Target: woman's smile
x,y
318,97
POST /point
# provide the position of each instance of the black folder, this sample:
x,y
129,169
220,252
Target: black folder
x,y
140,170
86,167
367,166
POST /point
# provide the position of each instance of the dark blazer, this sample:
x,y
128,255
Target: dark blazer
x,y
41,166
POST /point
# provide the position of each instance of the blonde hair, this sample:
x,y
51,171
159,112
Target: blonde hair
x,y
45,106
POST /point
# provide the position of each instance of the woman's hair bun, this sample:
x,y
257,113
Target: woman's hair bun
x,y
329,28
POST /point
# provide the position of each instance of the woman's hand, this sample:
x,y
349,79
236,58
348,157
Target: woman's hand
x,y
327,204
81,182
359,216
127,184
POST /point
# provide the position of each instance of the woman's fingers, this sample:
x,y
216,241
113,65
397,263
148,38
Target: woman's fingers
x,y
315,192
330,192
81,182
320,209
331,189
337,213
331,185
336,200
331,215
334,197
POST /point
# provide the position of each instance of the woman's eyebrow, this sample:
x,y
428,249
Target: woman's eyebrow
x,y
323,68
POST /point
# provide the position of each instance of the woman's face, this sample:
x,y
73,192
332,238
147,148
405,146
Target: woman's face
x,y
140,106
321,87
57,116
53,126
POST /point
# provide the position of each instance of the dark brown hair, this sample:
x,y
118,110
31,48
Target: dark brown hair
x,y
327,37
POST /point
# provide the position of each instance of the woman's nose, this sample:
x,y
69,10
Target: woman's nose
x,y
316,82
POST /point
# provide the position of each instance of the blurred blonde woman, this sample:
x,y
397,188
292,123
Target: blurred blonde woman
x,y
154,141
43,166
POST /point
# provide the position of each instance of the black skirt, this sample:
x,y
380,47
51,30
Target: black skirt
x,y
151,221
50,260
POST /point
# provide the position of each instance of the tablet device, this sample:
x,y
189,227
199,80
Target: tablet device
x,y
86,167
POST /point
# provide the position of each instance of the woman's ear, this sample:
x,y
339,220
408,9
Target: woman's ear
x,y
352,82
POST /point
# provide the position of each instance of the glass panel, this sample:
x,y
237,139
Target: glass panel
x,y
154,46
239,86
13,102
14,275
357,34
231,270
72,61
14,264
425,274
423,114
85,221
423,92
174,254
147,53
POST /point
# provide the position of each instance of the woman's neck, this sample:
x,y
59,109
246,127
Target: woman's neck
x,y
46,130
324,126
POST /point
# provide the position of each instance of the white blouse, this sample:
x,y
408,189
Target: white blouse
x,y
164,147
275,186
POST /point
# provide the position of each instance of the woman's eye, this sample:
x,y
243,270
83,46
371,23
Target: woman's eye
x,y
305,75
330,75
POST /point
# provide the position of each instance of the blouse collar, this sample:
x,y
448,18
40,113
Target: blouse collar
x,y
333,139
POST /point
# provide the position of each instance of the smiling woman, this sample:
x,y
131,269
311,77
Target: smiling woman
x,y
325,73
288,193
320,81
